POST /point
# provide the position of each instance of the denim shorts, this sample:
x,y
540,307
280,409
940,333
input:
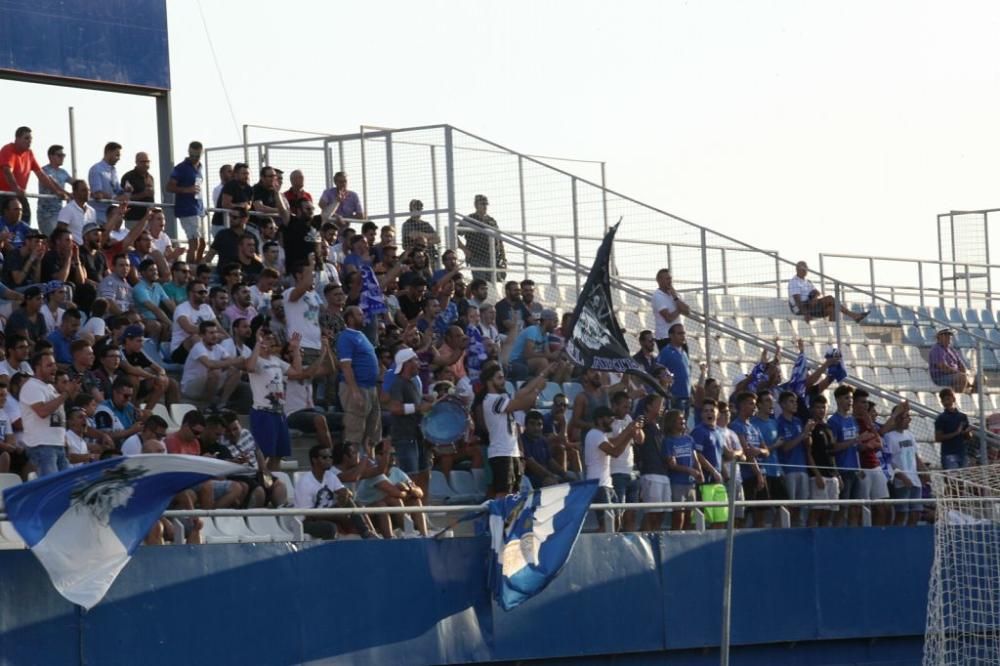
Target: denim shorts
x,y
626,487
411,456
953,461
48,459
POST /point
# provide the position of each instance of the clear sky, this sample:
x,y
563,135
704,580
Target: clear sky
x,y
799,126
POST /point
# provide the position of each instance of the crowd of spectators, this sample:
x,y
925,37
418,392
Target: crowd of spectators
x,y
275,312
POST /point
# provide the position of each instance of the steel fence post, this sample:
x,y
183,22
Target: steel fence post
x,y
838,295
449,174
727,574
706,300
576,236
364,171
871,277
524,218
983,453
604,196
435,196
390,182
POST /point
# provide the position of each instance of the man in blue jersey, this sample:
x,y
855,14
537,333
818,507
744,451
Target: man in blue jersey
x,y
675,358
773,474
752,441
845,449
793,440
710,442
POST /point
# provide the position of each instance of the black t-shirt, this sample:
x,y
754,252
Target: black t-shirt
x,y
237,191
139,360
407,426
822,449
506,311
140,192
18,322
52,264
299,236
251,270
264,195
226,246
948,422
14,261
411,309
94,265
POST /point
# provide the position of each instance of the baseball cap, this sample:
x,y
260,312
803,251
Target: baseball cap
x,y
52,286
481,199
133,331
402,356
548,313
91,226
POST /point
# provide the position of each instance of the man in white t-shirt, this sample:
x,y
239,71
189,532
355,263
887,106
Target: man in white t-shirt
x,y
153,428
504,450
600,446
187,316
804,298
43,415
906,465
321,488
302,307
668,307
18,349
624,478
268,372
209,375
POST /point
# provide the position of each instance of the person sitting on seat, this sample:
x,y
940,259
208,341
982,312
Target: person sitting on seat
x,y
804,298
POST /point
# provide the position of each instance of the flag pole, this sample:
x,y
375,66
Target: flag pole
x,y
727,576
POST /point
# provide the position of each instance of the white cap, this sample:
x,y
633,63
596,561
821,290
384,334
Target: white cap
x,y
402,356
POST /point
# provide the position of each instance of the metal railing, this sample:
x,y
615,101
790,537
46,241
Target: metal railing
x,y
923,282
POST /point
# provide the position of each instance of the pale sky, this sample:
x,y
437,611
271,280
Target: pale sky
x,y
795,126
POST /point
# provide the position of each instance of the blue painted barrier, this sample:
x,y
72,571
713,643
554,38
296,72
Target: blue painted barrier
x,y
800,596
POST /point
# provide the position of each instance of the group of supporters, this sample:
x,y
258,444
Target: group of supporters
x,y
276,313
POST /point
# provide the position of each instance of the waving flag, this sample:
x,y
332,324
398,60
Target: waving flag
x,y
837,372
797,381
372,299
532,535
84,523
596,341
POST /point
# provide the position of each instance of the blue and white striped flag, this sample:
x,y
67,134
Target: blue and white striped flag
x,y
84,523
532,536
372,300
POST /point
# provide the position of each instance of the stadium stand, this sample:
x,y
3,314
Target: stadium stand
x,y
311,332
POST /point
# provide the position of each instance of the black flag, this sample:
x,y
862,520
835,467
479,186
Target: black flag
x,y
596,341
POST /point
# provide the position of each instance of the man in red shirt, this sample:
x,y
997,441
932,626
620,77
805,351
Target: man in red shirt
x,y
296,192
17,162
185,440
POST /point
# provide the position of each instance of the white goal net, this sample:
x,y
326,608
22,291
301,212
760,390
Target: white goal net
x,y
963,603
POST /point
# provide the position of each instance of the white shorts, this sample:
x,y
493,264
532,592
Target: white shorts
x,y
829,491
797,485
874,484
191,226
654,488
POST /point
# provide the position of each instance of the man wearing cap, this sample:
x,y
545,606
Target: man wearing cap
x,y
946,365
477,245
359,386
95,264
406,407
530,353
420,232
340,203
27,319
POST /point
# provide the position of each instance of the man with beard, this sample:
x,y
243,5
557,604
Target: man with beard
x,y
301,238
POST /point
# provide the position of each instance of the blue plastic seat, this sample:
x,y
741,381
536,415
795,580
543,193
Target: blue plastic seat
x,y
923,313
972,316
571,390
907,315
987,319
890,315
956,317
939,314
912,336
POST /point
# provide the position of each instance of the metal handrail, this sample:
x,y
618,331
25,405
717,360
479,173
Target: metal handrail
x,y
137,204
